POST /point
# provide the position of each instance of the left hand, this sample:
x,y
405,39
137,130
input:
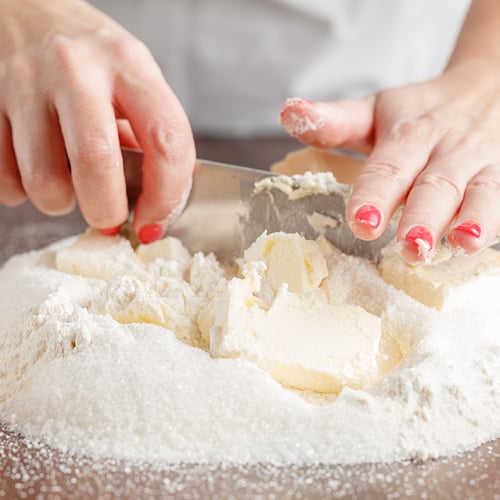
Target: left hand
x,y
433,147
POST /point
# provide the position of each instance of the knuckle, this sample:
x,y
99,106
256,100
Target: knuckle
x,y
65,54
96,155
465,141
441,182
386,171
20,83
170,144
129,48
485,182
20,69
488,179
62,48
416,129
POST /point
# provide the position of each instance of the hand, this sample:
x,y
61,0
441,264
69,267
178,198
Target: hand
x,y
73,82
432,147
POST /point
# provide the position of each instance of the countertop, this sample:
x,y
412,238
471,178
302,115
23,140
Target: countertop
x,y
35,471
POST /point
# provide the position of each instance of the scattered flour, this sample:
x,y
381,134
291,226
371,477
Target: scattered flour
x,y
110,362
300,120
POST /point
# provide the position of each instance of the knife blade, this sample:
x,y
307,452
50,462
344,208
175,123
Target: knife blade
x,y
224,213
211,219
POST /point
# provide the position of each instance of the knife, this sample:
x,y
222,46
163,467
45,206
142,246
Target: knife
x,y
224,214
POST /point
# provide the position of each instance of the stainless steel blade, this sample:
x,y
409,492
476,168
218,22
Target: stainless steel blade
x,y
211,220
224,214
311,216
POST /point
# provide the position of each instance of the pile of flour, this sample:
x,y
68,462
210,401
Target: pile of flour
x,y
111,365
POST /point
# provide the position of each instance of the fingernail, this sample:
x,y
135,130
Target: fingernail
x,y
150,233
369,215
111,231
469,227
420,239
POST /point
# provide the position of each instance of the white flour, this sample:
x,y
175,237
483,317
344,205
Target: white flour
x,y
301,122
73,376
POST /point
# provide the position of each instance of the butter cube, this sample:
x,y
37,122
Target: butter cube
x,y
95,255
447,282
303,343
289,259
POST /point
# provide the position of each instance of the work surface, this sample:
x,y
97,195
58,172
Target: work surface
x,y
29,471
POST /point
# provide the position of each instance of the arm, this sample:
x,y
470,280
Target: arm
x,y
432,146
72,81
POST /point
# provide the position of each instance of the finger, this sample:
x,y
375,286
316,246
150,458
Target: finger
x,y
432,203
126,135
387,176
89,128
477,224
41,159
163,131
11,189
338,124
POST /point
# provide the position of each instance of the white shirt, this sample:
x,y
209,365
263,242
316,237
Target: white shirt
x,y
232,63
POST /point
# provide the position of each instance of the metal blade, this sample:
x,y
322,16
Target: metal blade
x,y
211,220
225,215
311,216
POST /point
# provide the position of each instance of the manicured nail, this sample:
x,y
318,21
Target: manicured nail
x,y
421,240
369,216
111,231
469,227
150,233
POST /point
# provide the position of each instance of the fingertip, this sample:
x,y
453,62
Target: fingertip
x,y
301,118
150,233
341,123
417,246
467,237
366,222
110,231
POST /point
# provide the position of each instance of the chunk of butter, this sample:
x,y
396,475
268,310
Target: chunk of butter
x,y
94,255
447,282
303,343
290,259
278,317
168,248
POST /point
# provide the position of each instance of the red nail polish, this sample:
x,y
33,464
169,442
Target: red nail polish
x,y
111,231
369,215
469,227
150,233
419,236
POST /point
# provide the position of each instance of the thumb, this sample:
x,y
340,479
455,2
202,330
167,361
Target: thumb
x,y
337,124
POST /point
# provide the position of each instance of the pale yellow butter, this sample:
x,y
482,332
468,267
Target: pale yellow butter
x,y
449,281
290,259
293,332
99,256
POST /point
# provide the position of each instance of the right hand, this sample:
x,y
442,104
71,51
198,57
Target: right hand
x,y
76,85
